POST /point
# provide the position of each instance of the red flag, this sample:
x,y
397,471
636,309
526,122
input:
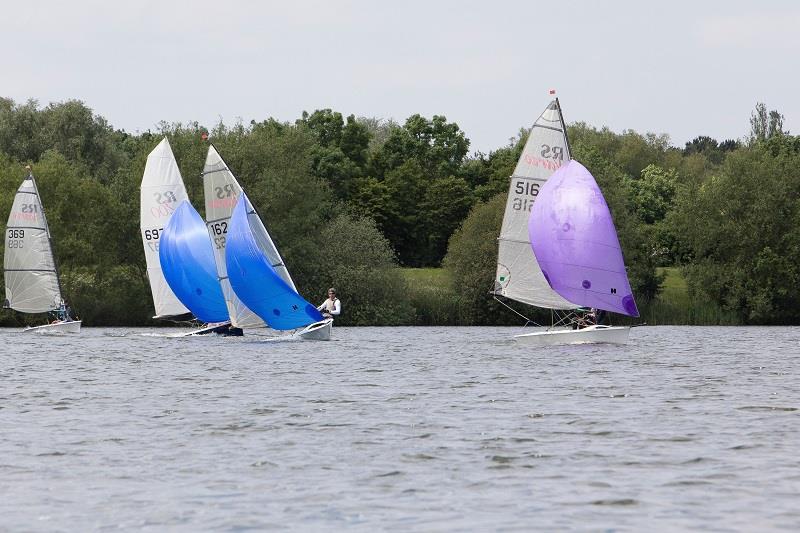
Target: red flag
x,y
552,91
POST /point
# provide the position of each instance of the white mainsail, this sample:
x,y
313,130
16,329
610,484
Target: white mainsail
x,y
31,277
162,190
221,194
518,274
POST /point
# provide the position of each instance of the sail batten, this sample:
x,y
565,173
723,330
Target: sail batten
x,y
30,273
518,275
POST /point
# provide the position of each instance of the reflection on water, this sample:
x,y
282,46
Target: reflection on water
x,y
400,428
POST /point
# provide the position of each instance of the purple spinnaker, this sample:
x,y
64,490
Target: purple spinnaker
x,y
575,243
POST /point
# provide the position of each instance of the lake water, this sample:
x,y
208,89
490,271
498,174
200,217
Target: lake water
x,y
400,429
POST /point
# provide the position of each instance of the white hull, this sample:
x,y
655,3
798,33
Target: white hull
x,y
318,331
209,329
71,326
590,335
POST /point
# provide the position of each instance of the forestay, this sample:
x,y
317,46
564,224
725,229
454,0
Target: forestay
x,y
162,190
253,276
187,260
518,274
573,237
31,278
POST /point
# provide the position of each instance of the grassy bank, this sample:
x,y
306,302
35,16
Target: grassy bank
x,y
433,295
675,306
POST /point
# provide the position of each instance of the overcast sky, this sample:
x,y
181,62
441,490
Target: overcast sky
x,y
685,68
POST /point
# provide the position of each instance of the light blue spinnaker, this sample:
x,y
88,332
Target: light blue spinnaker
x,y
255,281
187,260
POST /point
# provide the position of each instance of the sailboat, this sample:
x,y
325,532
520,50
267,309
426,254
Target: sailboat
x,y
222,194
250,258
31,274
576,246
177,249
519,274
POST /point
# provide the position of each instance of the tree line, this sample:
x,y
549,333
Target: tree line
x,y
349,199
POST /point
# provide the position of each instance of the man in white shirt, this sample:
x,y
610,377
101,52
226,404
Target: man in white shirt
x,y
332,306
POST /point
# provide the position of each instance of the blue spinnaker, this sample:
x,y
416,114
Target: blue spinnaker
x,y
255,281
187,260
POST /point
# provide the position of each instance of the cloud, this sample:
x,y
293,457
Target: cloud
x,y
753,31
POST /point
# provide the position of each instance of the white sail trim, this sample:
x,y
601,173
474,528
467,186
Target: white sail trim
x,y
221,193
518,274
162,191
31,279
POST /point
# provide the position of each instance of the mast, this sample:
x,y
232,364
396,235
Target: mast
x,y
564,126
47,230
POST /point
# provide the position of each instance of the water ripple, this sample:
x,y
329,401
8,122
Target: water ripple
x,y
424,429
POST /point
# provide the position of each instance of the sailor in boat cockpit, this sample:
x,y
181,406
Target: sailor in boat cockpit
x,y
332,306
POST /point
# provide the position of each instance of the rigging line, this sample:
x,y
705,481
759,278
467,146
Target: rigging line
x,y
527,320
564,125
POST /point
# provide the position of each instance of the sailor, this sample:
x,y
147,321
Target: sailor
x,y
332,306
63,311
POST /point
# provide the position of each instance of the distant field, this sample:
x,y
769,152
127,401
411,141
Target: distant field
x,y
674,287
427,278
430,291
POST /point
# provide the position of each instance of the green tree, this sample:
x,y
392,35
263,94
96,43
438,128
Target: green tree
x,y
765,125
438,146
446,203
741,227
355,258
652,195
471,261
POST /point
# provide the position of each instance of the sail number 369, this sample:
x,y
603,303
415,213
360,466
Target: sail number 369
x,y
15,237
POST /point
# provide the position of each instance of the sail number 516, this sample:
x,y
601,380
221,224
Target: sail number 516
x,y
525,193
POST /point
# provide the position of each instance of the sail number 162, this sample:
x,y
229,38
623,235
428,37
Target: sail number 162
x,y
219,231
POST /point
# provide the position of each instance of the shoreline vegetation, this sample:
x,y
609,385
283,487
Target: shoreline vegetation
x,y
434,295
403,220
